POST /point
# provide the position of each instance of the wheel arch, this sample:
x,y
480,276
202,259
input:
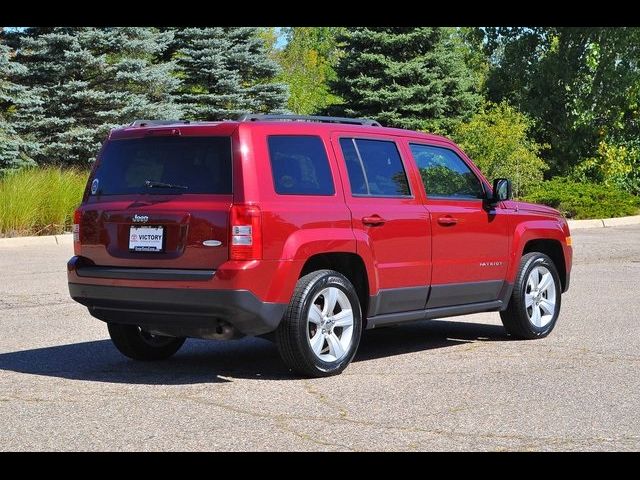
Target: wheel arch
x,y
553,249
351,265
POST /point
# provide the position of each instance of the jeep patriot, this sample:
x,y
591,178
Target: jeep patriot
x,y
306,230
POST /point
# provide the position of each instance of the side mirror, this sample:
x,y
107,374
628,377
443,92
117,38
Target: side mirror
x,y
501,190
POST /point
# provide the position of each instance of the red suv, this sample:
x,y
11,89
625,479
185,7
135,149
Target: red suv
x,y
311,228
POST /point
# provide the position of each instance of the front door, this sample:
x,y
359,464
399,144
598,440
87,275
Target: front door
x,y
470,241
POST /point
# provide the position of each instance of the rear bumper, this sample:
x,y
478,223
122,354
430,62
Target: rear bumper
x,y
181,312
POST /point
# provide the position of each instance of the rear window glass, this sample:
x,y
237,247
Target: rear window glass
x,y
299,165
165,165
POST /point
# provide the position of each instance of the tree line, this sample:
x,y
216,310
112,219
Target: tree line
x,y
523,102
63,89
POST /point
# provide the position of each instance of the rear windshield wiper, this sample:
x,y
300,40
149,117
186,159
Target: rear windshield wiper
x,y
152,184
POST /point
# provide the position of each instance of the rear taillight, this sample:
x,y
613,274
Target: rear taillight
x,y
77,216
246,233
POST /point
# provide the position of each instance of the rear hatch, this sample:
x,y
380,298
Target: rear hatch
x,y
159,201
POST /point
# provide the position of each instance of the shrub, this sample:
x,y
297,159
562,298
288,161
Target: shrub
x,y
584,200
497,140
39,201
614,164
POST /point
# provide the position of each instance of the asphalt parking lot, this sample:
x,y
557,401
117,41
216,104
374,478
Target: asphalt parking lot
x,y
459,384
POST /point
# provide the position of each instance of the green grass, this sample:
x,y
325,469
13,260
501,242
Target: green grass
x,y
40,201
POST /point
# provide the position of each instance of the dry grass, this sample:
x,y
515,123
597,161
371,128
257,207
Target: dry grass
x,y
40,201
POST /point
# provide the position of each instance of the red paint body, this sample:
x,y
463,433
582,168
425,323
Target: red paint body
x,y
422,241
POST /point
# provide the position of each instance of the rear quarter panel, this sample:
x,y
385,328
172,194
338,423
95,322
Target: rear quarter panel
x,y
295,227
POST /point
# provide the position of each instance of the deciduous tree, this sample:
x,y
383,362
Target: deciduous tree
x,y
308,62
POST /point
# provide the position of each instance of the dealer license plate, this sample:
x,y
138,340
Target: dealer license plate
x,y
146,239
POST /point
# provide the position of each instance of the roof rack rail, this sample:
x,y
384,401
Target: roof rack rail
x,y
248,117
154,123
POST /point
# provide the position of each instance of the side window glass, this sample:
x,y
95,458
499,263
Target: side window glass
x,y
375,168
445,174
299,165
354,167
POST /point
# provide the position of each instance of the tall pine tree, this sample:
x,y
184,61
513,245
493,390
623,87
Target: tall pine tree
x,y
409,77
12,146
89,80
225,71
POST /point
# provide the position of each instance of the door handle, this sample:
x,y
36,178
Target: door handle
x,y
373,220
447,220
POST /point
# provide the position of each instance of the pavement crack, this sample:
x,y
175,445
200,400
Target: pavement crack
x,y
28,399
322,398
280,420
281,423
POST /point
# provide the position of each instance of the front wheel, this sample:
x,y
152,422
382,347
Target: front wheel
x,y
138,344
320,331
535,301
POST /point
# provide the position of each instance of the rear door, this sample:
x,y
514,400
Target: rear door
x,y
159,201
387,215
470,241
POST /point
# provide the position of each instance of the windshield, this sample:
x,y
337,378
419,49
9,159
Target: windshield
x,y
165,165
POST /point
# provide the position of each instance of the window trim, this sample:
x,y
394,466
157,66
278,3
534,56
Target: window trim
x,y
364,173
446,197
273,178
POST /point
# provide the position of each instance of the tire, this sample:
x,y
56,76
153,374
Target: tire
x,y
309,341
137,344
533,315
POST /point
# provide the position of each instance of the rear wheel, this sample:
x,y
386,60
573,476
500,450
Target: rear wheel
x,y
138,344
535,302
321,329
